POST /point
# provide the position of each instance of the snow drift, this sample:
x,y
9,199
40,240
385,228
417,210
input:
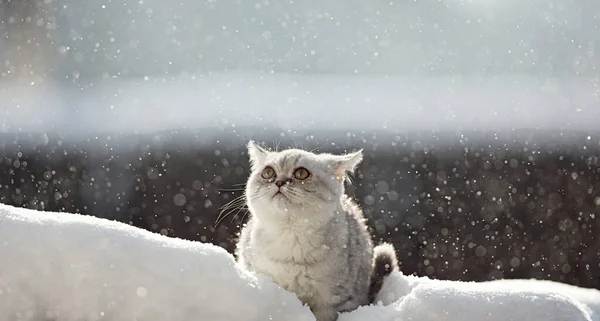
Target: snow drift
x,y
73,267
60,266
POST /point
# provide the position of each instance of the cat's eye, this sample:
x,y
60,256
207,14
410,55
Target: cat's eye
x,y
301,173
268,172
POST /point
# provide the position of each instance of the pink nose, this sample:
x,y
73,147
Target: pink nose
x,y
279,183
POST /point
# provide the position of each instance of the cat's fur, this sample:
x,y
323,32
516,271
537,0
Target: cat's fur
x,y
312,240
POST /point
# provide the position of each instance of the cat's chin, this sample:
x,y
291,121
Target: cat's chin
x,y
277,201
279,196
282,203
280,200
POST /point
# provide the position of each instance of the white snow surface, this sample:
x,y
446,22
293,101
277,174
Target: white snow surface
x,y
61,266
74,267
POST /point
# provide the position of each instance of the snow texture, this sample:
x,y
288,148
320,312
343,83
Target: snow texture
x,y
60,266
414,298
74,267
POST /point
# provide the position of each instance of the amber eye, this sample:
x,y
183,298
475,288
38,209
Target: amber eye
x,y
301,173
268,172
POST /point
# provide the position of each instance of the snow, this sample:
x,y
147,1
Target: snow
x,y
75,267
60,266
415,298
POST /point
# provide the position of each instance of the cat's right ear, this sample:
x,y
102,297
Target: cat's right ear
x,y
256,153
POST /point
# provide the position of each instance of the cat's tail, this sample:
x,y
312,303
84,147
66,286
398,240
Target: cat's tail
x,y
384,263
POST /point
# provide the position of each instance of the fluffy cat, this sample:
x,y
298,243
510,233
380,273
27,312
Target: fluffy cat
x,y
307,235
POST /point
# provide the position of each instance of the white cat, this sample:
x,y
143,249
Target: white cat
x,y
307,235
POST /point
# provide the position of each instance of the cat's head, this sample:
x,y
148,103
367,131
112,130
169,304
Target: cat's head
x,y
294,182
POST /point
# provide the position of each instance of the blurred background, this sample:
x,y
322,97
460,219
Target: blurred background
x,y
478,119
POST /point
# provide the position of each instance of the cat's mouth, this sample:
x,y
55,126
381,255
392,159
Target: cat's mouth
x,y
279,194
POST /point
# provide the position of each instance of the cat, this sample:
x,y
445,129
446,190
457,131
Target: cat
x,y
307,235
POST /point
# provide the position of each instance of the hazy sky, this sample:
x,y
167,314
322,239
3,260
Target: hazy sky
x,y
146,65
121,38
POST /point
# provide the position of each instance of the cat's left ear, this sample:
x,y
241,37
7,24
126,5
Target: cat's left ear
x,y
345,163
256,153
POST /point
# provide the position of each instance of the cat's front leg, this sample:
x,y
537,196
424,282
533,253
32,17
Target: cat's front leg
x,y
326,314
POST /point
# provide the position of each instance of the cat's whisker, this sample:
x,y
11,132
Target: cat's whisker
x,y
234,202
229,210
244,216
231,189
237,211
236,198
296,193
246,211
301,198
238,202
295,145
261,195
222,217
314,204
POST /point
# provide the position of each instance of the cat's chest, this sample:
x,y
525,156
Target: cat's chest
x,y
303,247
311,283
298,264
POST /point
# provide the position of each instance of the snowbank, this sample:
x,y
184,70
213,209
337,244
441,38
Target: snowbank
x,y
57,266
415,298
73,267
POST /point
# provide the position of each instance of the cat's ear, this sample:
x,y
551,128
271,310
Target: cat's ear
x,y
256,153
345,163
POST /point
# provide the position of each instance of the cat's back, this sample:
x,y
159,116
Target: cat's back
x,y
359,247
356,216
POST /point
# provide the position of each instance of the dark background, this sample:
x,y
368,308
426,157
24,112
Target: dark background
x,y
476,205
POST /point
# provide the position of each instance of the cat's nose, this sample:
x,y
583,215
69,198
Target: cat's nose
x,y
279,183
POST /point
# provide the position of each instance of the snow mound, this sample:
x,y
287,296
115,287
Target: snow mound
x,y
414,298
59,267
